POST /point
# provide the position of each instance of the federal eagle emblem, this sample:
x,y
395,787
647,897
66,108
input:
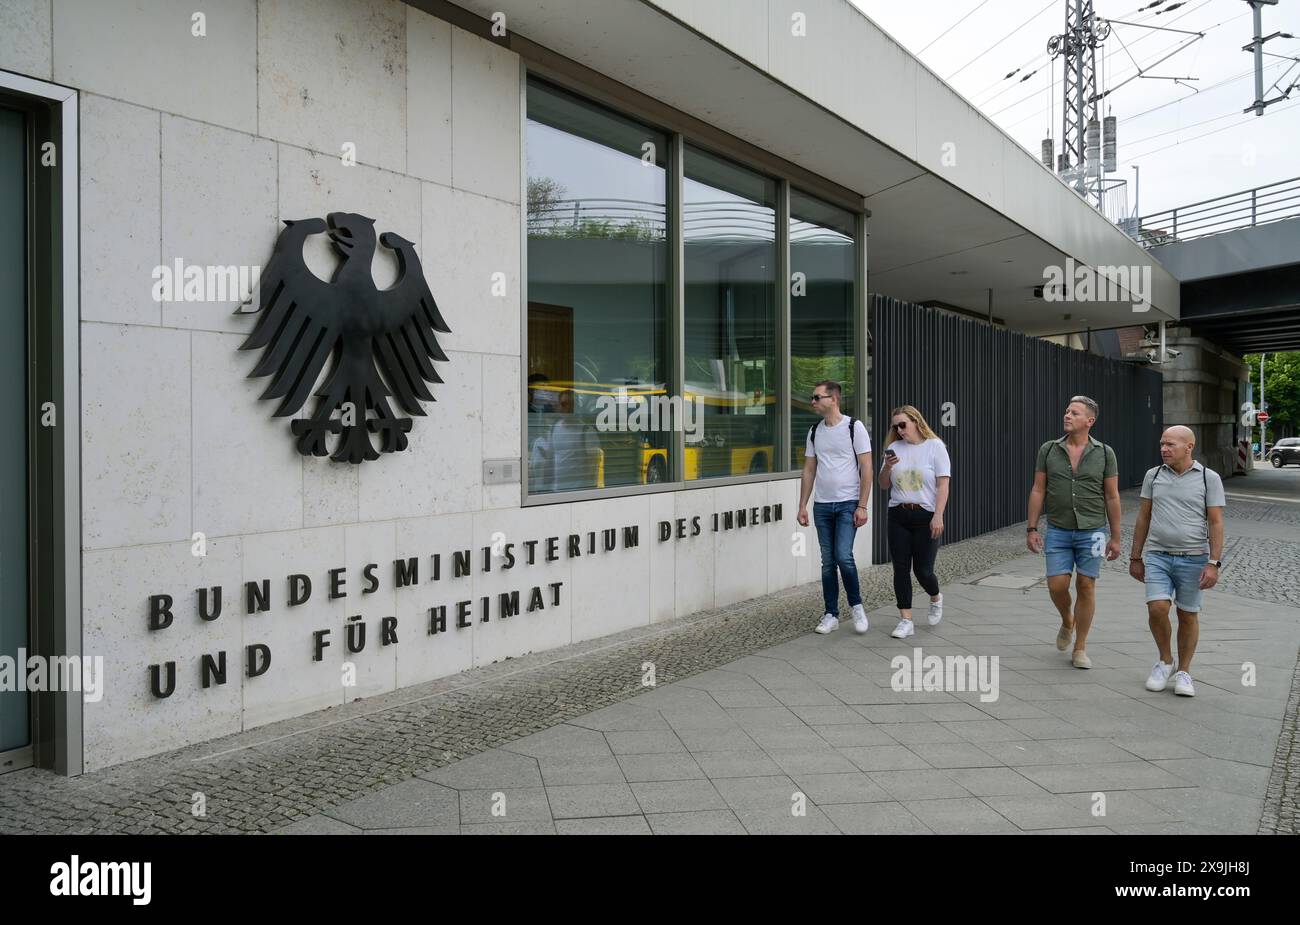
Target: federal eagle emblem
x,y
379,343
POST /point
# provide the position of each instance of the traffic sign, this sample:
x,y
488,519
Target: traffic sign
x,y
1262,417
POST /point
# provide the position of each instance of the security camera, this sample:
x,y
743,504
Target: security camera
x,y
1171,352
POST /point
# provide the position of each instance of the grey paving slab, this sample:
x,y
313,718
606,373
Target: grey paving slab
x,y
410,803
536,827
1124,775
783,822
581,769
737,763
875,819
994,782
925,784
1217,774
960,816
561,741
677,796
954,755
495,768
827,715
883,757
1039,812
447,829
622,717
825,760
660,767
703,822
580,801
785,737
852,787
811,696
605,825
776,792
850,735
985,730
527,804
644,742
716,740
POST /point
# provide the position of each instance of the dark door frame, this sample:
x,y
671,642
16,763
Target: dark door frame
x,y
54,499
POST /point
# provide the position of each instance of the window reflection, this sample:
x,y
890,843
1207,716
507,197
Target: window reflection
x,y
597,296
731,374
822,332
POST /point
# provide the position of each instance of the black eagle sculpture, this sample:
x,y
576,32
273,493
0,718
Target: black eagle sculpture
x,y
383,342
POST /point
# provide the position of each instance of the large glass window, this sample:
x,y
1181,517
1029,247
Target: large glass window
x,y
598,299
731,373
822,329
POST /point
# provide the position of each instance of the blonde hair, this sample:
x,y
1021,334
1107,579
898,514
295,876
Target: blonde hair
x,y
917,418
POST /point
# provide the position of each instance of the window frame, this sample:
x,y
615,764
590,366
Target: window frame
x,y
681,129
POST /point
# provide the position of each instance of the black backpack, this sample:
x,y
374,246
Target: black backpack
x,y
812,435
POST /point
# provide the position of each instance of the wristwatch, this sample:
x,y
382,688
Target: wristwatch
x,y
1032,530
1217,563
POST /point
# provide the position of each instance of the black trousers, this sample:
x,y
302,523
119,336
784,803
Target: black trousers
x,y
912,549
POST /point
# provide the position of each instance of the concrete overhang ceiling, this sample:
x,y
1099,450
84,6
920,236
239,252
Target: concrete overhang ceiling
x,y
928,239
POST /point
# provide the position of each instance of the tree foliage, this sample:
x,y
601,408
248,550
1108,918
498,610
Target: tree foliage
x,y
1281,391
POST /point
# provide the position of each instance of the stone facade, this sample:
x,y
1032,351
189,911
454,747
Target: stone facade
x,y
1204,388
197,147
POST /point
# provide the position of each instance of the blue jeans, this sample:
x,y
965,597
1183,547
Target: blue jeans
x,y
835,530
1175,578
1068,550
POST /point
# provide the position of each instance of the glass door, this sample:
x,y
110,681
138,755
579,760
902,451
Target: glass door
x,y
15,705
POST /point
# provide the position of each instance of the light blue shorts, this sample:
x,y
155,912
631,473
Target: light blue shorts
x,y
1175,578
1068,550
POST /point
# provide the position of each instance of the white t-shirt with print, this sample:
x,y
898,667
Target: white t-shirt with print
x,y
838,478
913,480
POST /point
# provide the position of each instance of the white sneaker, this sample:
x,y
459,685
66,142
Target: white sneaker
x,y
1183,684
936,611
828,624
1159,676
859,619
903,630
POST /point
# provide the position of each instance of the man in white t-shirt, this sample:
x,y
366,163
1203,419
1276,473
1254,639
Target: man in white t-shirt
x,y
837,460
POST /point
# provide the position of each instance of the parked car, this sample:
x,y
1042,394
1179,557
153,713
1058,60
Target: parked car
x,y
1286,450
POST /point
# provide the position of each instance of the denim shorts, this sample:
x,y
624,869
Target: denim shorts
x,y
1068,550
1175,578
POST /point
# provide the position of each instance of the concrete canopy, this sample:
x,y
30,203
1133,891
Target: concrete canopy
x,y
846,102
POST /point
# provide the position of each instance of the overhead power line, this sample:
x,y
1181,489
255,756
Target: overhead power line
x,y
953,26
1050,4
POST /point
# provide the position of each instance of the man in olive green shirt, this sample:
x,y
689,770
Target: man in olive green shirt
x,y
1076,483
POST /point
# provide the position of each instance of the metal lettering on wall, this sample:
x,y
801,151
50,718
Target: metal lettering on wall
x,y
442,571
383,342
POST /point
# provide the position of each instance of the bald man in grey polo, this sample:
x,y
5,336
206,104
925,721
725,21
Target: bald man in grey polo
x,y
1177,542
1178,503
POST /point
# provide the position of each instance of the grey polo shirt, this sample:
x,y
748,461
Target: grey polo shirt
x,y
1178,503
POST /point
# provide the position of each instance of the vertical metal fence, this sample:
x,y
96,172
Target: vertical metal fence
x,y
994,396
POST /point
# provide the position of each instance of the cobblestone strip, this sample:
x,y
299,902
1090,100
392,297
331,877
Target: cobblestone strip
x,y
260,783
1281,814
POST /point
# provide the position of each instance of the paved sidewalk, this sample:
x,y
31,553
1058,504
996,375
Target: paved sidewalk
x,y
814,721
752,709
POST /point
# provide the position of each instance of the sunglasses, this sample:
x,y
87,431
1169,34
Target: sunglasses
x,y
817,397
900,425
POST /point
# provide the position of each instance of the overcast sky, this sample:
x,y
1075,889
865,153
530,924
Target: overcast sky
x,y
1195,146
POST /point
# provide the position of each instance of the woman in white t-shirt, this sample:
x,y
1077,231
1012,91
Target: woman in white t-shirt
x,y
916,473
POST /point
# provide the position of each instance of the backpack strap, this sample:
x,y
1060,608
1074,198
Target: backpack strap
x,y
812,436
